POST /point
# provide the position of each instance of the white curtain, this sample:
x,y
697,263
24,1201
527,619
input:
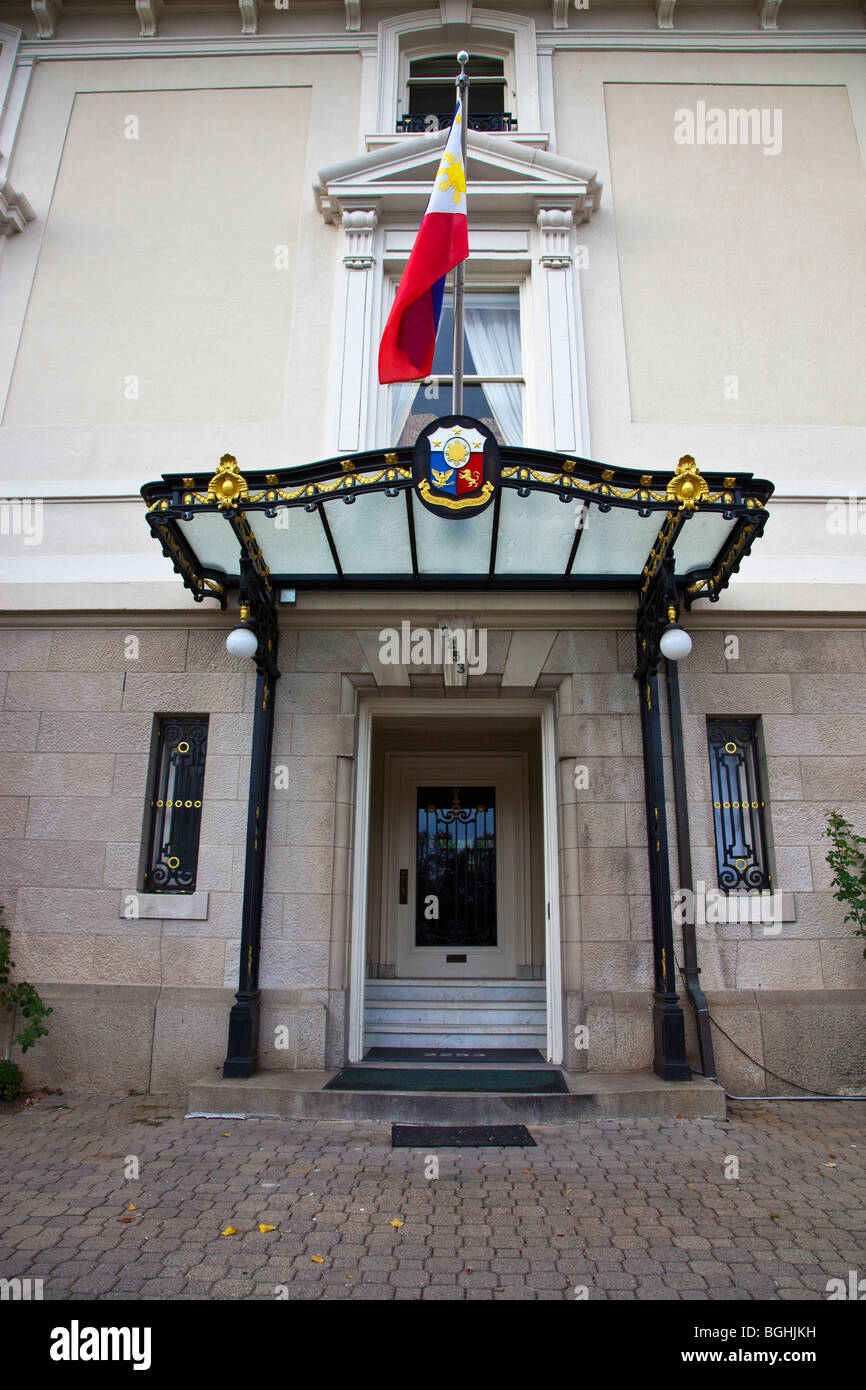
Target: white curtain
x,y
493,336
402,396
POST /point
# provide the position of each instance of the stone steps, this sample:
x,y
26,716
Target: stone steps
x,y
298,1095
455,1013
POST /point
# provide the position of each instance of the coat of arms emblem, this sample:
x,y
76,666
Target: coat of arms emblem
x,y
456,466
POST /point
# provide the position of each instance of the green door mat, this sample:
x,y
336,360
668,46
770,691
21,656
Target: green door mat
x,y
412,1079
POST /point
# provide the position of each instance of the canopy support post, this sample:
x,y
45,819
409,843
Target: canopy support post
x,y
257,597
658,600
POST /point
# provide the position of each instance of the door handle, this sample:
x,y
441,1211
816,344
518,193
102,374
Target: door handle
x,y
404,887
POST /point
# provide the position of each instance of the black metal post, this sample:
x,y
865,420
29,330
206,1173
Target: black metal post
x,y
242,1052
691,969
669,1034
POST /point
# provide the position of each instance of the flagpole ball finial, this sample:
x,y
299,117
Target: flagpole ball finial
x,y
463,57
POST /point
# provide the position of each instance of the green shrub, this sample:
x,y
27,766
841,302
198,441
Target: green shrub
x,y
21,996
11,1081
847,859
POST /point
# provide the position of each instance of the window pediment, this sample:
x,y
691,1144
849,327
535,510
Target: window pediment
x,y
504,176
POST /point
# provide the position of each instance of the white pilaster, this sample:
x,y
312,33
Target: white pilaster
x,y
354,324
556,330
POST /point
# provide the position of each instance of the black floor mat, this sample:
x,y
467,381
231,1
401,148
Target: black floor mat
x,y
502,1080
433,1137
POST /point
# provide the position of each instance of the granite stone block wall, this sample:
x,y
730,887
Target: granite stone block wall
x,y
143,1002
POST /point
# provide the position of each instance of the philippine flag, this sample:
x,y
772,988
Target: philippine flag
x,y
406,350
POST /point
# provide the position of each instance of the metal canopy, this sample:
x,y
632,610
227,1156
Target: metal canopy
x,y
557,522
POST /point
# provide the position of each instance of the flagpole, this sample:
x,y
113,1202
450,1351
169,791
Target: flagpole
x,y
462,85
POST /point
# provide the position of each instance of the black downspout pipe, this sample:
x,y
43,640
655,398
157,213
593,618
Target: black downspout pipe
x,y
691,970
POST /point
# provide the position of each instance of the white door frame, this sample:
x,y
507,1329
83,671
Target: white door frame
x,y
373,707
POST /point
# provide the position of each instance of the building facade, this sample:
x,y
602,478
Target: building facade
x,y
206,210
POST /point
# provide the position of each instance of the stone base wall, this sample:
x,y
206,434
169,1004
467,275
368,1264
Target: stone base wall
x,y
140,1038
145,1002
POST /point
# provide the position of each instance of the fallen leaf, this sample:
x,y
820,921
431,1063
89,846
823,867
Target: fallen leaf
x,y
126,1219
263,1228
225,1136
131,1207
774,1216
317,1259
229,1231
397,1222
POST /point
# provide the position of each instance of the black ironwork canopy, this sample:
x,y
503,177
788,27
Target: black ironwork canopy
x,y
556,522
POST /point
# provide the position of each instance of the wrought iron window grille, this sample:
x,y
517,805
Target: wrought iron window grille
x,y
738,805
174,807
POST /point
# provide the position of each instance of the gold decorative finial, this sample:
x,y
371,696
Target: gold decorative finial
x,y
687,486
228,483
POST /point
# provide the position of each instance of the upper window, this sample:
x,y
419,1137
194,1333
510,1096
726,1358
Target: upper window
x,y
493,381
431,95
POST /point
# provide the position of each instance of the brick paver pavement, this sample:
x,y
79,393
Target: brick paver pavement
x,y
628,1209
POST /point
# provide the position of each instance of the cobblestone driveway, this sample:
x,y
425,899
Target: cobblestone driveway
x,y
630,1209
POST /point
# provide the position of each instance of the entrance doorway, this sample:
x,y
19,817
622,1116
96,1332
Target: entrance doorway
x,y
455,913
456,866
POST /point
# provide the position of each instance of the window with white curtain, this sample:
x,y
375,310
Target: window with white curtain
x,y
493,381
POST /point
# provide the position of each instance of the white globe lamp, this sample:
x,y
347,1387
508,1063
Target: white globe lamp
x,y
675,643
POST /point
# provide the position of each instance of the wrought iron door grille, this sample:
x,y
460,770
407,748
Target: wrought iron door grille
x,y
738,804
175,802
456,867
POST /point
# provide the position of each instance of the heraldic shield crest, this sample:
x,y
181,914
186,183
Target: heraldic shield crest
x,y
456,466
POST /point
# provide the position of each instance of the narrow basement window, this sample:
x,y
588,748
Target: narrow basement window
x,y
738,804
172,822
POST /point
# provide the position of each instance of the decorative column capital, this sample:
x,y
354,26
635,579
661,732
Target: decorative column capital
x,y
555,225
359,224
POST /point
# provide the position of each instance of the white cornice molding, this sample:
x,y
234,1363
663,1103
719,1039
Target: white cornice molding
x,y
15,211
665,13
249,16
549,41
148,12
46,12
768,13
216,46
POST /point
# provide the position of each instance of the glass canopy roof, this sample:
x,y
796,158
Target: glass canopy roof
x,y
555,522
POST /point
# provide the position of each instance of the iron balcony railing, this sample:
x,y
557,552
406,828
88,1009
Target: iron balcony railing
x,y
489,120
